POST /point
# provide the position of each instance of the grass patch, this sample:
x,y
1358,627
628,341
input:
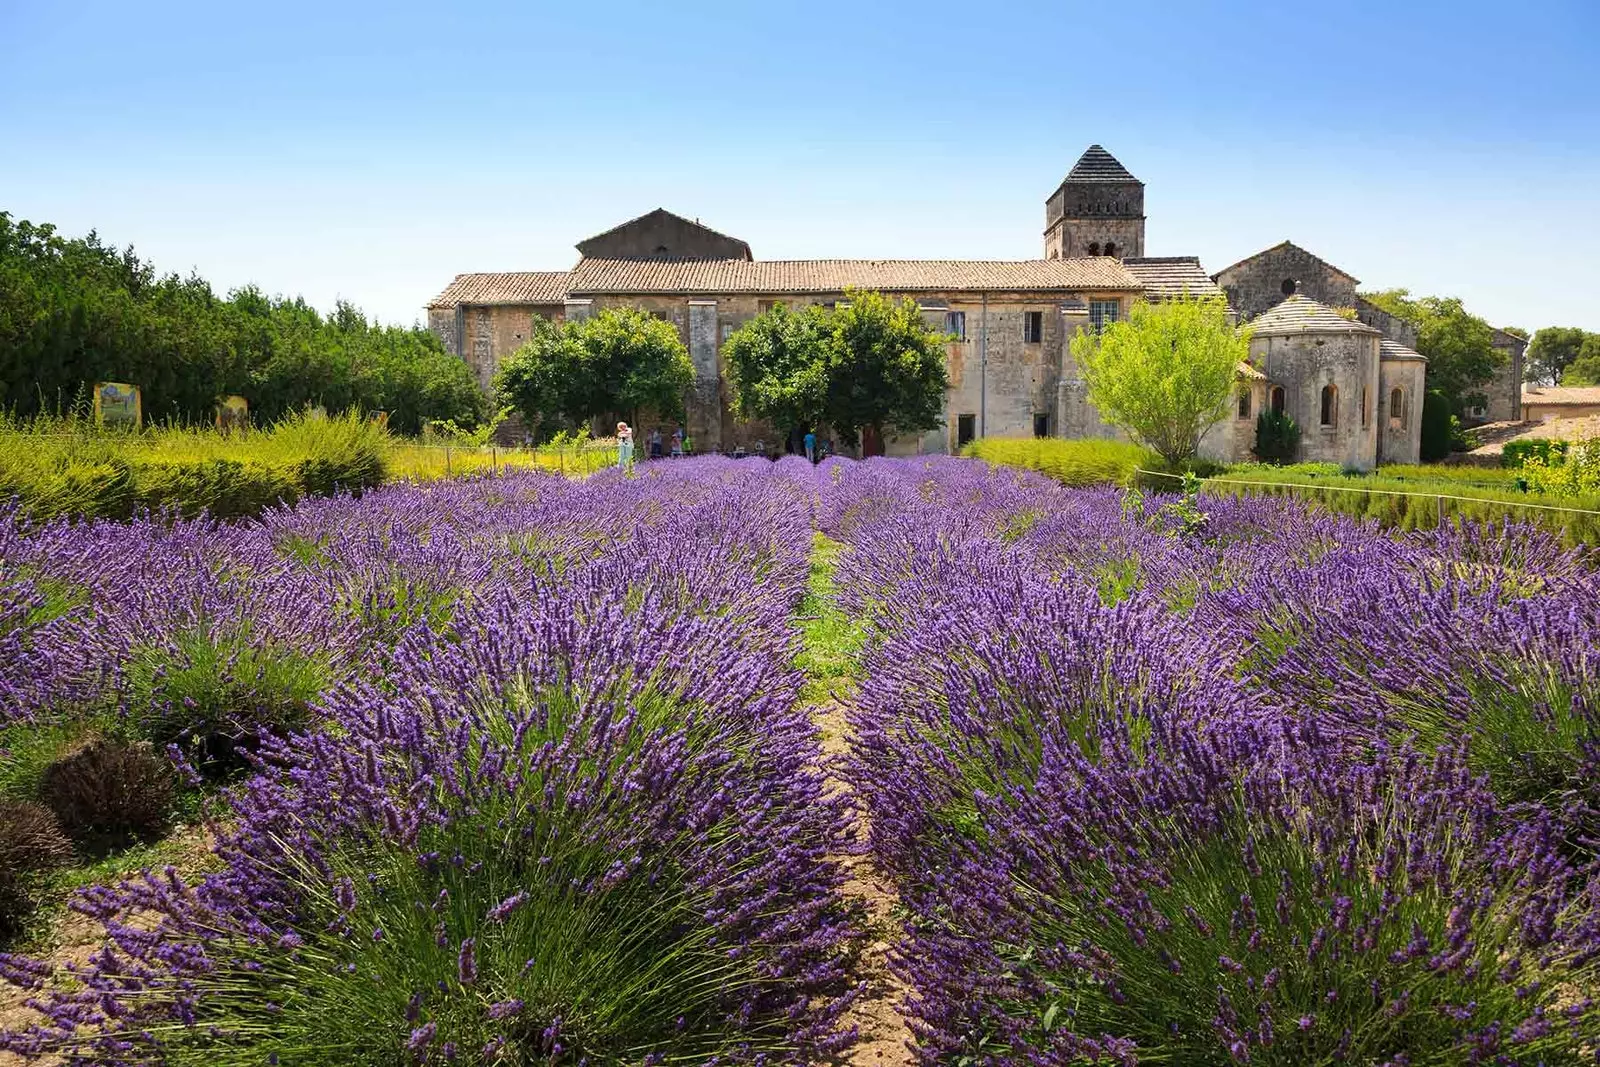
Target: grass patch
x,y
831,653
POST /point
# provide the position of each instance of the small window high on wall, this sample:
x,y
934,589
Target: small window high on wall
x,y
1244,403
1033,327
1397,408
955,322
1330,405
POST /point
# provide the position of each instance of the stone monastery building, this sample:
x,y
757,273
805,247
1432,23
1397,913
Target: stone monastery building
x,y
1350,379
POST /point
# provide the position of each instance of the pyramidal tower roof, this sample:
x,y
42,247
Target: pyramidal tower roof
x,y
1098,165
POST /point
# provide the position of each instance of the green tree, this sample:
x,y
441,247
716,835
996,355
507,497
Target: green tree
x,y
1166,373
779,366
1552,351
886,368
1459,345
619,361
869,363
1585,366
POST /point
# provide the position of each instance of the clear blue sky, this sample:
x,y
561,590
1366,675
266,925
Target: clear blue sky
x,y
370,151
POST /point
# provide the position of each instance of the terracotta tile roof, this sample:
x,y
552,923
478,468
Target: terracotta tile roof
x,y
1169,276
1392,350
1561,395
1290,244
836,275
1301,314
1097,165
517,287
1249,373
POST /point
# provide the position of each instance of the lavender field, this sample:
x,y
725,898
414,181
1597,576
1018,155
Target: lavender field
x,y
745,762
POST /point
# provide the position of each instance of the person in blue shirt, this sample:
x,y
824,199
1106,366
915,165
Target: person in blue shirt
x,y
811,445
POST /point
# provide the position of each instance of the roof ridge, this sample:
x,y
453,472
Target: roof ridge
x,y
1286,243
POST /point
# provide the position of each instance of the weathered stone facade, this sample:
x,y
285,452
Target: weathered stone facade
x,y
1011,370
1263,281
1267,278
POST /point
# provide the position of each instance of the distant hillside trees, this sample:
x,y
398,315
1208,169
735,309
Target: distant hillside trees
x,y
1564,355
76,311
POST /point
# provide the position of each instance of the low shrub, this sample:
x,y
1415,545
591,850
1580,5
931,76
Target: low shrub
x,y
1076,463
1277,438
31,842
216,696
1437,429
1517,453
67,466
108,792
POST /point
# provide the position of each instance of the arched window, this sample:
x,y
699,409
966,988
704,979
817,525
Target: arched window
x,y
1094,248
1111,248
1244,403
1275,400
1397,408
1330,405
1288,287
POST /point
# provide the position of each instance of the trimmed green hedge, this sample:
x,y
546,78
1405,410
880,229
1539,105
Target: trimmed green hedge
x,y
62,467
1481,504
1517,453
1077,463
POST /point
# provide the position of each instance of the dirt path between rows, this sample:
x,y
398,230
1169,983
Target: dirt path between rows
x,y
885,1039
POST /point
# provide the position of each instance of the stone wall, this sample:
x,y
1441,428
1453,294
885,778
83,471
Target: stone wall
x,y
1074,238
1504,391
1400,431
1392,327
485,336
1302,365
1257,284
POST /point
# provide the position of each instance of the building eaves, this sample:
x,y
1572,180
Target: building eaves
x,y
1301,314
1166,277
616,276
1392,351
511,287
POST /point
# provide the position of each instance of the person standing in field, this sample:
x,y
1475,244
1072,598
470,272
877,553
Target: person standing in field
x,y
624,445
655,443
811,446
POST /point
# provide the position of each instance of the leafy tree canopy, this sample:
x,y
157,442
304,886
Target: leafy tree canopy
x,y
1166,373
780,367
77,311
619,361
1459,345
870,362
1563,355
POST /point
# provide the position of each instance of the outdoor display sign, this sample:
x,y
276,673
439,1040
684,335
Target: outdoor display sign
x,y
233,413
117,404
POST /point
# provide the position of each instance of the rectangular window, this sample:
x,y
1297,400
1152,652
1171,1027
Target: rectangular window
x,y
955,322
727,331
1244,403
764,306
1365,415
1102,313
1033,327
1041,425
966,429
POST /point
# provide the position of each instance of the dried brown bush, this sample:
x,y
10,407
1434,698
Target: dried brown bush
x,y
106,789
31,841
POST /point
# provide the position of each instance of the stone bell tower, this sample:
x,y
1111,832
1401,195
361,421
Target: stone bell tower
x,y
1097,211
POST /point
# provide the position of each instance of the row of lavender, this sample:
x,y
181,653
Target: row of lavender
x,y
1255,786
528,778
